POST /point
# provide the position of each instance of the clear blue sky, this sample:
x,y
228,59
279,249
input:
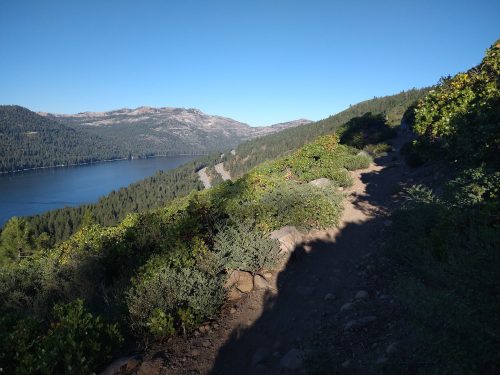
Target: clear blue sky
x,y
258,61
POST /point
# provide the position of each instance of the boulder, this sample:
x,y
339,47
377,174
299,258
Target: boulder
x,y
234,294
260,282
320,182
245,282
233,278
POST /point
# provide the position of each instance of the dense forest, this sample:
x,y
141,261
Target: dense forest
x,y
28,140
159,189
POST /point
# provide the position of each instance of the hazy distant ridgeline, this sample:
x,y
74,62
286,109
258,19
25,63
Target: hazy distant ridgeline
x,y
159,189
148,131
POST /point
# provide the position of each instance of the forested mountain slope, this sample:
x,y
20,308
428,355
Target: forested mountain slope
x,y
28,140
254,152
147,131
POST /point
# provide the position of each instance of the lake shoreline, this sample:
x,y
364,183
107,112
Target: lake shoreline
x,y
96,162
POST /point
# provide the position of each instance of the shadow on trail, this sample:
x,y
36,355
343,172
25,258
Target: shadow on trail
x,y
312,287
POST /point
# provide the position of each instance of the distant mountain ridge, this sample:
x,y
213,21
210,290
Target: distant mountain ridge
x,y
147,131
32,140
179,122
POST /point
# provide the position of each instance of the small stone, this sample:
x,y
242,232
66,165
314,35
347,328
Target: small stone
x,y
292,360
215,325
233,310
362,294
234,294
392,348
245,282
205,344
268,276
340,188
381,360
195,353
260,282
329,297
346,307
346,363
259,357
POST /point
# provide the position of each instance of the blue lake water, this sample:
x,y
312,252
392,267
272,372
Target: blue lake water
x,y
33,192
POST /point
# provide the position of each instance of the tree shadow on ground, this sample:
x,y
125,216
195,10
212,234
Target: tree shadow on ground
x,y
318,279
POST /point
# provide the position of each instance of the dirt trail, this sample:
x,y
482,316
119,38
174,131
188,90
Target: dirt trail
x,y
314,296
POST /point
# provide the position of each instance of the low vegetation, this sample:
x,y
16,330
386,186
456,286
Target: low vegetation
x,y
447,240
161,272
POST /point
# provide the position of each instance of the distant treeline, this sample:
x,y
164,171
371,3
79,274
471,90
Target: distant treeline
x,y
28,140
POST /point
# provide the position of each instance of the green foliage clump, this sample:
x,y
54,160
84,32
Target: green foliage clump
x,y
366,130
164,299
448,246
241,246
379,149
72,342
461,115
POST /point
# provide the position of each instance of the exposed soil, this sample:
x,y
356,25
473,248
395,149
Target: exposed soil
x,y
203,176
223,173
330,306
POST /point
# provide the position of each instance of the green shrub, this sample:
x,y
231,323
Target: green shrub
x,y
448,247
461,115
241,246
357,162
301,205
377,150
72,342
164,298
365,130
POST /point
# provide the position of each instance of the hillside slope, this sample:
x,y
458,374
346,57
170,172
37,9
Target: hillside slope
x,y
28,140
254,152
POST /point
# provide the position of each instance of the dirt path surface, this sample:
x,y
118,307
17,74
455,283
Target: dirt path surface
x,y
223,173
203,176
332,296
